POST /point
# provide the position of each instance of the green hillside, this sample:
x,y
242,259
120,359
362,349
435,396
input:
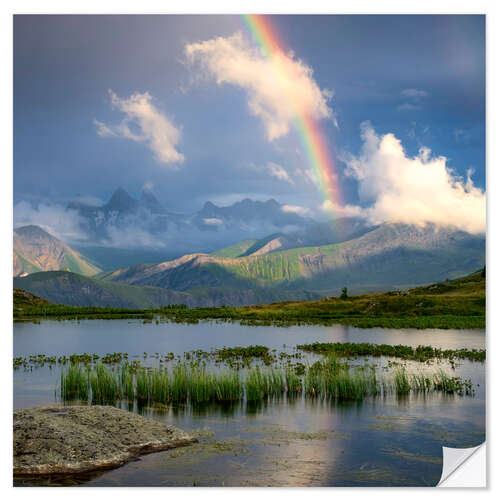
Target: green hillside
x,y
70,289
36,250
390,256
61,287
236,250
452,304
26,265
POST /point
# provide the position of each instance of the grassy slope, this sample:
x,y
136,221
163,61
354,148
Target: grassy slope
x,y
236,250
134,296
28,266
457,304
79,265
290,268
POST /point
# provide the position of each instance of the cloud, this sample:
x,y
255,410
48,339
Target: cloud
x,y
408,106
91,201
341,210
153,128
213,221
296,209
274,170
55,219
278,88
416,93
103,130
278,171
416,96
414,190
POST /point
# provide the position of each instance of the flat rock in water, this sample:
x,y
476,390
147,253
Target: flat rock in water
x,y
76,439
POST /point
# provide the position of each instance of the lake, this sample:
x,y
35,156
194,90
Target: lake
x,y
382,441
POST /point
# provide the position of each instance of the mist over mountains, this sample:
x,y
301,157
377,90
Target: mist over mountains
x,y
126,222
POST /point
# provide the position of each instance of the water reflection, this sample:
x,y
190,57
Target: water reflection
x,y
294,441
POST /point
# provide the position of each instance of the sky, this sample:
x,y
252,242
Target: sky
x,y
192,108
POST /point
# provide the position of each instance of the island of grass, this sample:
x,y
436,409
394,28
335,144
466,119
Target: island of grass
x,y
457,304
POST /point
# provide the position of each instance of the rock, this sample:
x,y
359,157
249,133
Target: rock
x,y
76,439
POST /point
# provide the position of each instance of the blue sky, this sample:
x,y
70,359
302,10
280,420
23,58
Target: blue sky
x,y
420,78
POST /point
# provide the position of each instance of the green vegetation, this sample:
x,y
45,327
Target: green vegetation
x,y
452,304
455,304
75,383
331,379
237,250
420,353
232,357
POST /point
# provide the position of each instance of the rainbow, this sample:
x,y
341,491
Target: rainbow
x,y
313,141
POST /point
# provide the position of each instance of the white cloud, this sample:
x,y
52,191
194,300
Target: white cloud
x,y
341,210
103,130
91,201
279,172
296,209
213,221
154,128
55,219
278,88
416,93
396,187
274,170
307,175
408,106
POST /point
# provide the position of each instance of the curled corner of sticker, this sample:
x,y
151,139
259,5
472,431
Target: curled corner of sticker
x,y
464,467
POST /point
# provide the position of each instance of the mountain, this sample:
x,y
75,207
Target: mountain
x,y
36,250
126,222
61,287
317,234
391,255
248,211
236,250
387,256
149,201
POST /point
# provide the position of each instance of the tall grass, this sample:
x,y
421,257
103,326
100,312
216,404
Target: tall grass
x,y
330,379
401,381
229,386
74,383
293,382
105,384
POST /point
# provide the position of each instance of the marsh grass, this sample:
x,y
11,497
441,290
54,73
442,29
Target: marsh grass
x,y
74,383
330,379
105,384
401,381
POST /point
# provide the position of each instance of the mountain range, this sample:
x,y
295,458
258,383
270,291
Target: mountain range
x,y
126,222
314,261
389,255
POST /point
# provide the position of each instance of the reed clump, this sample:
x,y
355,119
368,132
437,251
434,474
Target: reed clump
x,y
329,379
74,383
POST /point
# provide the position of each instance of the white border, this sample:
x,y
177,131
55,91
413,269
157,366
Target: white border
x,y
257,6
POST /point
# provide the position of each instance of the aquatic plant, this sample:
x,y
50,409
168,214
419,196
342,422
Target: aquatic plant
x,y
104,384
74,383
420,353
329,379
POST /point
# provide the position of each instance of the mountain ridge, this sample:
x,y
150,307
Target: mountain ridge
x,y
422,254
34,249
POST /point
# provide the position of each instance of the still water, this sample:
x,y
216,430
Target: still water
x,y
379,442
